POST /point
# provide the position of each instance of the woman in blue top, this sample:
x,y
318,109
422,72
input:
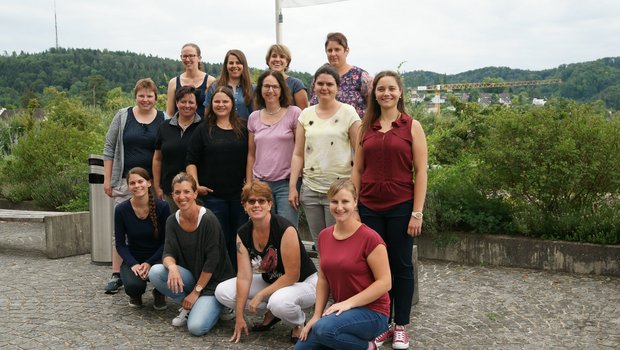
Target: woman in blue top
x,y
278,59
236,76
140,229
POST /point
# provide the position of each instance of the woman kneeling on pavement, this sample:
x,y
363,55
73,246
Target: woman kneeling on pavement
x,y
275,275
139,230
354,267
195,260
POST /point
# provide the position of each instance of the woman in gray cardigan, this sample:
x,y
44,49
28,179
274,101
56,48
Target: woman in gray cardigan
x,y
130,143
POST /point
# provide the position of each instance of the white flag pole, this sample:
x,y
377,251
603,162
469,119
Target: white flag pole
x,y
279,21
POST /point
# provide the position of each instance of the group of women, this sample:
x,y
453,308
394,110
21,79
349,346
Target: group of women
x,y
235,161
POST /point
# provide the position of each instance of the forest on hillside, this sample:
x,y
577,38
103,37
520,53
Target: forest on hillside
x,y
91,73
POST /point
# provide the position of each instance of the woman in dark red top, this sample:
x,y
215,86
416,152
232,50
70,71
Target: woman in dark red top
x,y
390,173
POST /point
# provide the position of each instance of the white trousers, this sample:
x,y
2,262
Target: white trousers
x,y
286,303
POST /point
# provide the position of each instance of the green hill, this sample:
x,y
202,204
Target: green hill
x,y
80,71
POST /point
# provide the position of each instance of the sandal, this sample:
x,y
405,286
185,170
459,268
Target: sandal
x,y
265,327
294,339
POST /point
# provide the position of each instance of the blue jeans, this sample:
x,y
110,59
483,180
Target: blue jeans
x,y
353,329
391,225
206,310
230,214
281,205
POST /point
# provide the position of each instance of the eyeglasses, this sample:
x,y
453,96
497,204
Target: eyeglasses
x,y
266,87
183,57
253,201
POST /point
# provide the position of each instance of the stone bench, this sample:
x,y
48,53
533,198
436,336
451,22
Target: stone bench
x,y
416,296
66,234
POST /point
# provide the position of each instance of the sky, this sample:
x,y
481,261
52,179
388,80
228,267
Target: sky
x,y
449,36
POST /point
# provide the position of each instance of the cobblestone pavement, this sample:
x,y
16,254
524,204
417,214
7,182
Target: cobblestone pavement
x,y
59,304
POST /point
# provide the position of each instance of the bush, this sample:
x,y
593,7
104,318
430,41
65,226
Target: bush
x,y
557,167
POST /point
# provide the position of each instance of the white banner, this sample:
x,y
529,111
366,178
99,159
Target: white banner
x,y
303,3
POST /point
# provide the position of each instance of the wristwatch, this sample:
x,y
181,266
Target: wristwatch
x,y
198,288
417,214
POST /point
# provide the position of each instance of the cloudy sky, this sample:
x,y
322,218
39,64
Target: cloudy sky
x,y
449,36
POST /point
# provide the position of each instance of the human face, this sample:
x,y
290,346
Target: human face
x,y
145,99
271,89
189,57
221,105
187,106
325,87
257,207
277,62
184,195
336,54
342,205
234,67
387,92
138,186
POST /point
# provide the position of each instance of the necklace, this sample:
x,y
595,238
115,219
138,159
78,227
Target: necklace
x,y
274,112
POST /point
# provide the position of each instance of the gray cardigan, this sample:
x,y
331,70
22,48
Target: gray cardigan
x,y
113,149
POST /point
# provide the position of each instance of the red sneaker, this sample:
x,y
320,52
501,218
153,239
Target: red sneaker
x,y
400,338
385,336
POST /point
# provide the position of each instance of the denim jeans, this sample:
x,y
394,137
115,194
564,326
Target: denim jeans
x,y
281,205
231,216
287,303
206,310
353,329
392,225
134,285
316,208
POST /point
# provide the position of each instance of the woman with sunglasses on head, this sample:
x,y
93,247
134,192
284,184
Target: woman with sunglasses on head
x,y
324,141
217,157
355,83
390,172
139,230
236,76
279,59
192,76
271,141
129,143
275,277
172,142
354,269
194,260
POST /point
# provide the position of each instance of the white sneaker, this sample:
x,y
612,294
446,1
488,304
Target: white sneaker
x,y
227,314
181,320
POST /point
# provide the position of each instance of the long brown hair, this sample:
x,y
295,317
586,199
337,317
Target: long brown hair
x,y
373,110
246,79
152,209
233,117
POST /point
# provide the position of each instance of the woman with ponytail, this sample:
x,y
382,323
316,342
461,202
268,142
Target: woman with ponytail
x,y
139,230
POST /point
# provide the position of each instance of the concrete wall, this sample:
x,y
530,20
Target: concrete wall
x,y
67,235
524,252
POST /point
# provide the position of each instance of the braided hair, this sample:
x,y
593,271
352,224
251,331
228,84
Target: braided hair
x,y
152,209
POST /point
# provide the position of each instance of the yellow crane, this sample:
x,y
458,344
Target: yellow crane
x,y
463,86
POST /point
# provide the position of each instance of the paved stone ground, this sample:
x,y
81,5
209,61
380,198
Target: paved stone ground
x,y
59,304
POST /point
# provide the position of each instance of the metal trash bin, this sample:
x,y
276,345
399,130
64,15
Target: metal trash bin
x,y
101,209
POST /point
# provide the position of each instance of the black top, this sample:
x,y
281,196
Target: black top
x,y
200,109
173,143
221,158
269,261
202,250
134,238
139,142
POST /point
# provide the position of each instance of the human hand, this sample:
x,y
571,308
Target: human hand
x,y
240,327
338,308
107,188
190,299
414,228
159,193
293,198
307,328
144,270
175,283
253,305
204,190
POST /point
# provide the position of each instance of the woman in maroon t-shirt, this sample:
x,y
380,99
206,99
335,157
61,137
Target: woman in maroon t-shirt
x,y
390,173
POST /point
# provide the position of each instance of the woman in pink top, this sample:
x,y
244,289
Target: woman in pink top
x,y
354,268
272,140
390,173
